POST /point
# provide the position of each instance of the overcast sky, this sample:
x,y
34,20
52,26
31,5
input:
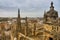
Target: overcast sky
x,y
29,8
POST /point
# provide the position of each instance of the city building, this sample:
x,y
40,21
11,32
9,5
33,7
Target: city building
x,y
46,28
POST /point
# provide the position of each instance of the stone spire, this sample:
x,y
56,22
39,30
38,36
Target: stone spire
x,y
45,16
18,28
19,21
18,13
26,32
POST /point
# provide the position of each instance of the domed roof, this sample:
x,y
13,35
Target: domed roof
x,y
50,15
52,12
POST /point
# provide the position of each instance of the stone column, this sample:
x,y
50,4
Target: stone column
x,y
34,29
26,28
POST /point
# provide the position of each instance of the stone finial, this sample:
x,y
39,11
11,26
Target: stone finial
x,y
51,5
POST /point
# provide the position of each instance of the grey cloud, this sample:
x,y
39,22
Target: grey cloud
x,y
23,4
36,6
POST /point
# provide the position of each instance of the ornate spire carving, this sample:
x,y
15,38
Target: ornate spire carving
x,y
51,5
19,21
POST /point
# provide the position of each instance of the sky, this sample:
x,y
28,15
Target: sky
x,y
29,8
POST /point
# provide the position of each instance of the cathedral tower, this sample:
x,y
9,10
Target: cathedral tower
x,y
51,15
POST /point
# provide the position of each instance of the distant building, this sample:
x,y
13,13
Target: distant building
x,y
50,26
50,16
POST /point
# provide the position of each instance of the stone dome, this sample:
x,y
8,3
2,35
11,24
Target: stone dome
x,y
51,15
